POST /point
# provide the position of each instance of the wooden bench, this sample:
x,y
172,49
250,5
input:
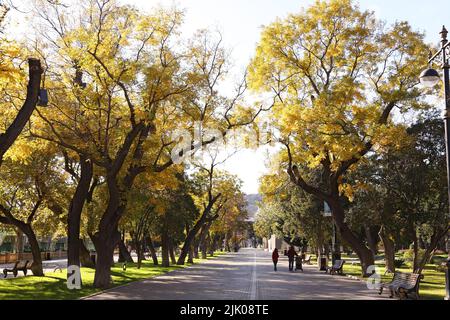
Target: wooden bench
x,y
307,259
18,266
403,285
336,268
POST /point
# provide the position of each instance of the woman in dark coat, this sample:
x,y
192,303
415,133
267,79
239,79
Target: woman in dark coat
x,y
275,257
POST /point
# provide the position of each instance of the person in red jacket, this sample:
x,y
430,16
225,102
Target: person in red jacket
x,y
275,257
291,255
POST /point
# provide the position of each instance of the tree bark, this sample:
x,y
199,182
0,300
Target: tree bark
x,y
152,251
104,243
19,243
371,240
75,210
165,249
107,236
205,246
365,254
124,254
173,260
27,229
438,235
191,255
190,237
36,267
196,244
415,246
85,256
204,234
389,249
34,83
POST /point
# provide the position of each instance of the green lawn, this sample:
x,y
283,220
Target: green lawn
x,y
53,285
432,287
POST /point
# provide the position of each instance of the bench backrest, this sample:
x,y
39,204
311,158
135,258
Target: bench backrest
x,y
338,264
22,264
406,280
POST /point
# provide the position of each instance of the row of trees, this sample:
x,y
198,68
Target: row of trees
x,y
342,81
94,161
400,201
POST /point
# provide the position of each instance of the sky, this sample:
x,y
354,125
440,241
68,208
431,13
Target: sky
x,y
240,23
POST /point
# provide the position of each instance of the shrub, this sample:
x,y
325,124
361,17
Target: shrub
x,y
398,263
408,254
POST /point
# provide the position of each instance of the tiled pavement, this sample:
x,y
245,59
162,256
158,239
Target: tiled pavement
x,y
247,275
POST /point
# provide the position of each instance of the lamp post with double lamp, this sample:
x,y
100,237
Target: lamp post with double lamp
x,y
430,78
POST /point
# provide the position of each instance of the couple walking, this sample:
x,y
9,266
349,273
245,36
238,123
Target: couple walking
x,y
291,256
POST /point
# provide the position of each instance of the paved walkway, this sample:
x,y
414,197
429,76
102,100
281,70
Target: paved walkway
x,y
247,275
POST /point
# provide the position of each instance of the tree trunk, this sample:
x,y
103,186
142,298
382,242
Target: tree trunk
x,y
173,260
85,256
371,240
107,236
105,242
389,249
365,254
19,243
204,246
437,236
36,267
140,254
196,247
320,240
8,137
152,251
415,247
190,237
204,234
124,254
226,243
165,249
213,246
75,210
191,255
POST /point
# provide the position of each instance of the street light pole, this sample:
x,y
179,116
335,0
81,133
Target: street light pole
x,y
431,77
446,68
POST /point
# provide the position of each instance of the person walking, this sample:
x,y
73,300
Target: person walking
x,y
291,256
275,257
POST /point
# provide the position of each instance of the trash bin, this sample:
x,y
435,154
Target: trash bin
x,y
322,261
93,257
298,263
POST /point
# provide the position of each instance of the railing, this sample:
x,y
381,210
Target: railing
x,y
7,257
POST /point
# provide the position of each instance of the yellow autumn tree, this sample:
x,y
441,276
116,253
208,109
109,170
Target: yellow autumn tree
x,y
337,74
119,82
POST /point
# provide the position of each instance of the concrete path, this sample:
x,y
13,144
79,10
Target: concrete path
x,y
247,275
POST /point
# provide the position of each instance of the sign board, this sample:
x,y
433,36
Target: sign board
x,y
326,210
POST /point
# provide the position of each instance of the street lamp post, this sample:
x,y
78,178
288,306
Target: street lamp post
x,y
429,78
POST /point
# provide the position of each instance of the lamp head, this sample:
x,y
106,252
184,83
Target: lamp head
x,y
444,33
429,78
